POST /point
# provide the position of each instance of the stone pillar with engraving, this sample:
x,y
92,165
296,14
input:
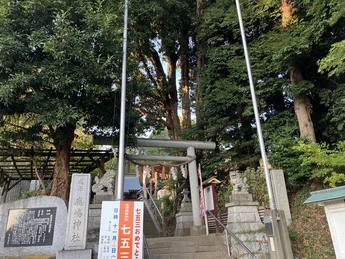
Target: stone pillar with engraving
x,y
77,219
244,220
280,193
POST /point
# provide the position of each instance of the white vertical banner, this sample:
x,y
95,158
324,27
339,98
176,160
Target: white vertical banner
x,y
201,193
121,230
203,212
209,199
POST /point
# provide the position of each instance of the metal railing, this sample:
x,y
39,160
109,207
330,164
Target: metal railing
x,y
228,231
153,203
154,211
147,249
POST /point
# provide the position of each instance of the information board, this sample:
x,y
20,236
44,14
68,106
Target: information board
x,y
121,230
30,227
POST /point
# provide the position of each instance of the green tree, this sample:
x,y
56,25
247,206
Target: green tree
x,y
287,40
162,33
60,63
326,164
313,32
227,103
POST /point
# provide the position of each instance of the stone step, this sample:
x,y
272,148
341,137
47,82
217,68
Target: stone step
x,y
204,255
187,247
150,229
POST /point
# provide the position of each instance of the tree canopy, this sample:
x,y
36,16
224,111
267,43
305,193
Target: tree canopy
x,y
292,46
60,66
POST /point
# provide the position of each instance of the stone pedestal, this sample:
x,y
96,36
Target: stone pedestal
x,y
184,220
244,221
99,197
94,216
198,230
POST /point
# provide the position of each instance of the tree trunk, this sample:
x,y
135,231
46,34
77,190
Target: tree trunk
x,y
287,12
63,138
185,98
171,100
167,95
302,108
200,63
301,101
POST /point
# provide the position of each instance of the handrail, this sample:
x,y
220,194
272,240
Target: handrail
x,y
154,211
232,234
146,245
153,202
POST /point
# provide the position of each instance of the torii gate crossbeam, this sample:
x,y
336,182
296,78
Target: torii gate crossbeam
x,y
192,167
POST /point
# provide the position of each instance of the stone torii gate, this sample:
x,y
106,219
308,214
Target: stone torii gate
x,y
190,146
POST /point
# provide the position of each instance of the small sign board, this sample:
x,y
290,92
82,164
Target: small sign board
x,y
209,199
268,222
30,227
121,230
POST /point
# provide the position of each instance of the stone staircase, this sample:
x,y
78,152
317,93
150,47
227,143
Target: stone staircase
x,y
186,247
150,229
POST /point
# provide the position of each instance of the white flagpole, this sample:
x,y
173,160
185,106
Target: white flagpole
x,y
121,159
256,112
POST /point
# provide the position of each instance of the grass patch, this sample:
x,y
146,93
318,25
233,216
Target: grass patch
x,y
309,232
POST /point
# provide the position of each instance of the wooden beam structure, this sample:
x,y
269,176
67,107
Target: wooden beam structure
x,y
20,164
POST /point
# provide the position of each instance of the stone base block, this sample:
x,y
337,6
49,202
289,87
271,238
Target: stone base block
x,y
256,247
246,227
94,221
98,198
186,207
242,205
73,254
198,230
184,221
240,196
244,217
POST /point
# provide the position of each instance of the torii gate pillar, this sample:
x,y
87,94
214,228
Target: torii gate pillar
x,y
194,192
197,228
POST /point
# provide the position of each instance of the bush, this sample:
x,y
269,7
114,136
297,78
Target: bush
x,y
257,185
223,190
326,165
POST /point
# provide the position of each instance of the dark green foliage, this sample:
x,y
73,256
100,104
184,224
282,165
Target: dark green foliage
x,y
326,164
315,33
168,206
60,62
257,185
282,155
227,99
307,163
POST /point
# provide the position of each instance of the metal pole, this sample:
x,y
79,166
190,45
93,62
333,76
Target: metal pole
x,y
121,159
256,112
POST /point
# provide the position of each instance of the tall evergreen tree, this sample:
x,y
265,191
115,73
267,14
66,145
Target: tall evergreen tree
x,y
162,31
59,63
